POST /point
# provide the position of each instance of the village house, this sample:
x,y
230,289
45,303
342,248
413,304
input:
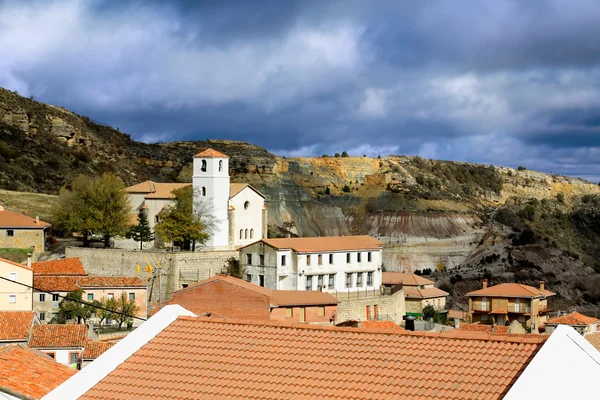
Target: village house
x,y
16,282
22,232
29,374
419,292
64,343
238,211
581,323
16,326
93,350
242,359
330,263
507,302
228,297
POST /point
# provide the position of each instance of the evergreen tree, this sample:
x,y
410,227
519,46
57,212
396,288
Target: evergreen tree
x,y
344,154
141,232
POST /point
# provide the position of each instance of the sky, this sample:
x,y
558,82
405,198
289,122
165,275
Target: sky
x,y
497,82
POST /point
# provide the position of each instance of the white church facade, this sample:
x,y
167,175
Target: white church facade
x,y
238,211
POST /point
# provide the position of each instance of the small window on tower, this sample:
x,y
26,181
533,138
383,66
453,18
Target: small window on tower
x,y
220,165
203,169
251,233
241,233
246,205
246,234
203,191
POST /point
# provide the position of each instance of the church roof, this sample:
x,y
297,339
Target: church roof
x,y
156,190
236,188
210,153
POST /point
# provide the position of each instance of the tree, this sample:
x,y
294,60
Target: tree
x,y
521,168
336,155
178,223
233,268
346,189
109,306
126,309
72,307
430,312
141,232
344,154
327,191
325,155
93,205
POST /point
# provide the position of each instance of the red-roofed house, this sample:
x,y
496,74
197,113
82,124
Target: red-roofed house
x,y
16,326
22,232
29,374
419,292
507,302
93,350
64,343
581,323
15,286
228,297
62,267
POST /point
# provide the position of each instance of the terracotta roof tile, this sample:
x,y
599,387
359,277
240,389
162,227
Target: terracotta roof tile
x,y
93,349
460,314
58,336
110,282
70,283
380,325
326,243
66,266
511,290
30,372
54,283
412,292
404,278
209,153
199,358
594,339
572,319
156,190
9,219
483,328
16,325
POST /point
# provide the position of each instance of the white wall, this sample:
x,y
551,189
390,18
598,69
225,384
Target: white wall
x,y
216,184
247,219
155,206
62,355
23,294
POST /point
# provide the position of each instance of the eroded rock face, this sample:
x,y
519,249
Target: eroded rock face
x,y
15,117
63,130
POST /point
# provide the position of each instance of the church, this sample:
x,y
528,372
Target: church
x,y
238,210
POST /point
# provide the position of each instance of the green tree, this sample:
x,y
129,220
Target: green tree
x,y
179,223
126,309
344,154
521,168
109,306
234,268
346,189
338,154
430,312
141,232
73,308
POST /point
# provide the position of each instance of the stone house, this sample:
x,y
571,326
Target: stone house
x,y
581,323
419,292
331,263
232,298
507,302
16,326
16,281
22,232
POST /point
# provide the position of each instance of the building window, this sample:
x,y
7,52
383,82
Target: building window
x,y
289,312
320,259
370,278
348,258
321,311
251,233
246,205
331,259
348,280
283,260
42,296
369,258
51,355
220,165
484,304
359,279
203,168
111,296
261,258
73,358
261,280
12,276
185,285
54,297
320,281
156,219
246,234
241,234
248,277
308,259
249,259
375,311
368,312
331,281
10,232
90,296
42,316
203,191
308,282
359,256
12,298
131,296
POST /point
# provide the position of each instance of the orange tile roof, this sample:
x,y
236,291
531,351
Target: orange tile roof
x,y
30,372
58,336
55,283
66,266
404,278
16,264
210,153
9,219
235,188
460,314
70,283
412,292
381,325
594,339
155,190
325,243
511,290
93,349
16,325
572,319
483,328
199,358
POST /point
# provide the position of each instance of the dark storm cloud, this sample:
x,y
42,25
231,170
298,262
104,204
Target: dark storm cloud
x,y
508,82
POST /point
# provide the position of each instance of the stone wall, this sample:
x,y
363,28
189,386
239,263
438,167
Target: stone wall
x,y
23,239
178,268
353,306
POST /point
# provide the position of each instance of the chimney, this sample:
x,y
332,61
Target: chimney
x,y
29,260
541,285
485,283
409,322
37,219
456,323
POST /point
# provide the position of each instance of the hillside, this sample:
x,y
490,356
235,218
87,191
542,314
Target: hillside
x,y
471,219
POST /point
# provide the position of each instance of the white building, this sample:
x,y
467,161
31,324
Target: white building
x,y
331,264
238,211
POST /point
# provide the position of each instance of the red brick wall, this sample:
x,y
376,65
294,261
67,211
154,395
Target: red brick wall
x,y
222,298
312,314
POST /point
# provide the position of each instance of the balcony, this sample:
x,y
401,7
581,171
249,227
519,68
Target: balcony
x,y
522,309
545,310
